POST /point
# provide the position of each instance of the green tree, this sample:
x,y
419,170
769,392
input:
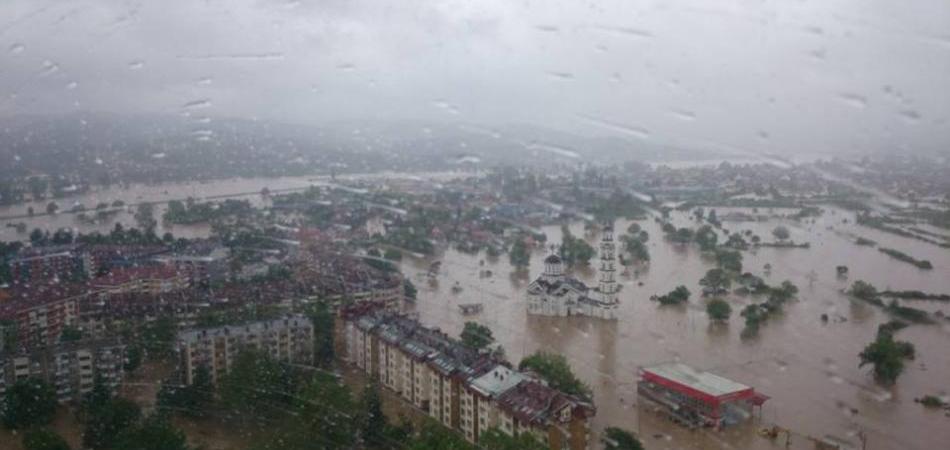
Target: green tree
x,y
409,289
154,433
476,336
519,256
556,371
781,233
326,410
618,439
729,260
718,309
373,422
675,297
716,278
97,398
44,439
193,400
863,290
574,251
27,403
158,338
707,238
256,385
70,334
494,439
106,422
51,208
887,356
434,436
323,338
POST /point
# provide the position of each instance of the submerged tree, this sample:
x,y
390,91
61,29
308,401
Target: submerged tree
x,y
476,336
887,355
519,256
718,309
619,439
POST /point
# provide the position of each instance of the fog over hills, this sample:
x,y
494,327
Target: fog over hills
x,y
114,147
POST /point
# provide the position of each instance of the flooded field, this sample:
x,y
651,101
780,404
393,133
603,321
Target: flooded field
x,y
809,368
159,194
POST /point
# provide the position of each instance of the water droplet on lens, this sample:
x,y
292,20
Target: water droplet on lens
x,y
137,64
17,48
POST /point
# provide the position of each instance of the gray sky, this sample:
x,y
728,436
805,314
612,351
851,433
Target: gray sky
x,y
810,76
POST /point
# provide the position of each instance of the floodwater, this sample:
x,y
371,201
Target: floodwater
x,y
159,194
809,368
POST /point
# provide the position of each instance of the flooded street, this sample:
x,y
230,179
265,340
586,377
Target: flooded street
x,y
809,368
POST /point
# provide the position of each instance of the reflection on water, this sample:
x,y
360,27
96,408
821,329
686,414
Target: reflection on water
x,y
808,366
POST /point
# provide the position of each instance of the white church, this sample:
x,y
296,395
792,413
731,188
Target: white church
x,y
555,293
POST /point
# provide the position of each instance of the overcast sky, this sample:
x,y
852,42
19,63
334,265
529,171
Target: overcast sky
x,y
811,76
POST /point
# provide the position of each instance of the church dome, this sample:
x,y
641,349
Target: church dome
x,y
552,259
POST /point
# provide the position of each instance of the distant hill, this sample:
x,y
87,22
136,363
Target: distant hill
x,y
103,148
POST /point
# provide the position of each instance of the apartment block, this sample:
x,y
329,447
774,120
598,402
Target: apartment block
x,y
288,339
41,311
70,367
465,390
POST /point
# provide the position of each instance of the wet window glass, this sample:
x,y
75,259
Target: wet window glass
x,y
449,224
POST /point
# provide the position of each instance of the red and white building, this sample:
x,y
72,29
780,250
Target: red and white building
x,y
698,398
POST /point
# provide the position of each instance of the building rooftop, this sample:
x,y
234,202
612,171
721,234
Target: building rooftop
x,y
255,327
529,401
123,275
497,381
705,382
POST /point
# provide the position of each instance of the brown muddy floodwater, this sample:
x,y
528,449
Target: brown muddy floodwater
x,y
809,368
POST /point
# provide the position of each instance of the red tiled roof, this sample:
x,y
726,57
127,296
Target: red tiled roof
x,y
123,275
24,296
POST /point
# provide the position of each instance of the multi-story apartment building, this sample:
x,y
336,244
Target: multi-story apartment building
x,y
70,367
465,390
151,279
288,339
39,264
479,400
41,311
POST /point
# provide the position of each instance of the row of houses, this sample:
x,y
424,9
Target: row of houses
x,y
466,390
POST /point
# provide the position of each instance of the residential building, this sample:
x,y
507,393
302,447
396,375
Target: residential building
x,y
466,390
70,367
42,264
150,279
288,339
41,311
